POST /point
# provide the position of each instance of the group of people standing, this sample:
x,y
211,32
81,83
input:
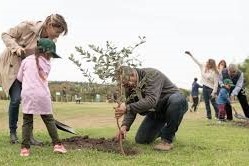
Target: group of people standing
x,y
221,84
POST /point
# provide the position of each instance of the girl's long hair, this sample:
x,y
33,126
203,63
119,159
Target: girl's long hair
x,y
39,69
222,61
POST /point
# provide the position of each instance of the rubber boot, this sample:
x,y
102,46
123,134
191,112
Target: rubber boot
x,y
13,138
35,142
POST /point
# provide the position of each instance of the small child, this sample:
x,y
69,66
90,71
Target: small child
x,y
35,94
223,98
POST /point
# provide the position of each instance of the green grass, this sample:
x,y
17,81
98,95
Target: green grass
x,y
198,141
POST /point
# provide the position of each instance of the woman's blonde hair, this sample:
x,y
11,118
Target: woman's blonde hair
x,y
58,21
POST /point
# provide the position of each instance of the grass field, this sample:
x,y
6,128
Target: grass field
x,y
198,141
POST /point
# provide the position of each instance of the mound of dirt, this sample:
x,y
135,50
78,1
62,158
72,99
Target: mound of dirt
x,y
101,144
242,123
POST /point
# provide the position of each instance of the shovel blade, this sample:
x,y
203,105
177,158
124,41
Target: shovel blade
x,y
64,127
239,116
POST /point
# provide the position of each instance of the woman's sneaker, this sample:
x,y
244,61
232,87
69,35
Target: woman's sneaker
x,y
24,152
59,148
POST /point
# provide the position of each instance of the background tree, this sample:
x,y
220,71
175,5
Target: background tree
x,y
244,67
77,88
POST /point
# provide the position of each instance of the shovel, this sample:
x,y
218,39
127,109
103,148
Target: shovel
x,y
239,116
64,127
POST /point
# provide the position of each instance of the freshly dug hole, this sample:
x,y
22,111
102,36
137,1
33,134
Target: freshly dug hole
x,y
101,144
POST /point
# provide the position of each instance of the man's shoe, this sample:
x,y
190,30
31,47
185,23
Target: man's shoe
x,y
35,142
164,146
13,138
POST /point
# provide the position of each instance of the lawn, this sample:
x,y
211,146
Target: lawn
x,y
198,141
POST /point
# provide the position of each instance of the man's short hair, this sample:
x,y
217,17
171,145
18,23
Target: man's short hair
x,y
126,72
233,67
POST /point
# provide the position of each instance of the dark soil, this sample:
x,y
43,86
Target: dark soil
x,y
242,123
101,144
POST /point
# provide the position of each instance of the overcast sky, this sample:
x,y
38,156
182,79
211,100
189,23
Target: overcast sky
x,y
217,29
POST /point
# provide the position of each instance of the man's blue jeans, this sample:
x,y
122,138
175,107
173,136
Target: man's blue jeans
x,y
15,98
164,122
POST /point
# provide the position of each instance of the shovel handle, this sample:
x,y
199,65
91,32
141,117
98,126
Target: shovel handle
x,y
234,110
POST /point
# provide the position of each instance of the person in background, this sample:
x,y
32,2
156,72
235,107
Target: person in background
x,y
35,94
223,98
77,98
64,94
209,77
20,42
151,94
195,95
221,65
237,77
